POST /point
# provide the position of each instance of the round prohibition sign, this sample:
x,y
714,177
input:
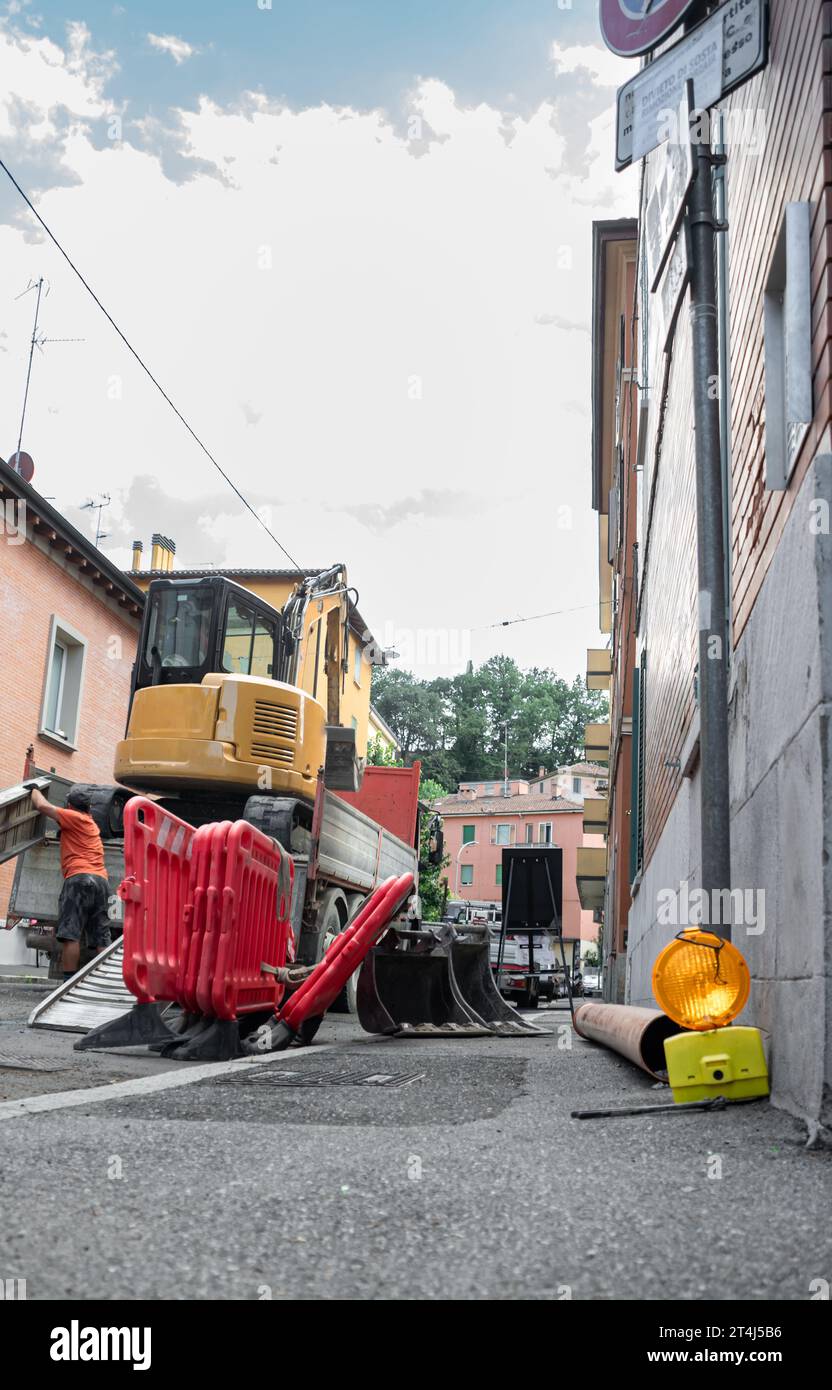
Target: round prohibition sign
x,y
633,27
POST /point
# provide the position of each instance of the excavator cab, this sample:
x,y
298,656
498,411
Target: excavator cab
x,y
196,627
231,697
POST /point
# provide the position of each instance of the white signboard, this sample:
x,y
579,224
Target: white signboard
x,y
668,199
718,55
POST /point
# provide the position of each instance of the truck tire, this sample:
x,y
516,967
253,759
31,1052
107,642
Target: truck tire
x,y
283,818
106,807
530,997
333,915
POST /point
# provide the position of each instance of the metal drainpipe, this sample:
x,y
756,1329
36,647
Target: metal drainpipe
x,y
713,665
723,320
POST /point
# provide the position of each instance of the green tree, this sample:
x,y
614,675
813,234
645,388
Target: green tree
x,y
456,726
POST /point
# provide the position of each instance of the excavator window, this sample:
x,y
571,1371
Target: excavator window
x,y
262,651
248,648
179,629
239,627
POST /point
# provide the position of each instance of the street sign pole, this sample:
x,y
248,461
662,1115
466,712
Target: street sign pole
x,y
710,532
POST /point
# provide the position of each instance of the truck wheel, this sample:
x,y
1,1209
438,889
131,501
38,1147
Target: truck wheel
x,y
106,807
531,996
334,915
282,818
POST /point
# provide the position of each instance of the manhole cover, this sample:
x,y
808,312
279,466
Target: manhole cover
x,y
9,1063
305,1076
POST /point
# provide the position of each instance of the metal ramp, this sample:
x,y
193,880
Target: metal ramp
x,y
96,994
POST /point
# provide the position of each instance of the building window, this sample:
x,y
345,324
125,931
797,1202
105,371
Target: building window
x,y
63,683
469,834
541,787
467,875
356,667
499,876
544,834
529,834
577,784
490,788
502,834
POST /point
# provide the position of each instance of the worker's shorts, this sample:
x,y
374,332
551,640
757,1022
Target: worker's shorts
x,y
83,909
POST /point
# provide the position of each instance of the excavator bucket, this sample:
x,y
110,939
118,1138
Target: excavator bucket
x,y
434,984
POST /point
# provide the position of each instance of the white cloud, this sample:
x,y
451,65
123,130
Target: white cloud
x,y
179,50
606,67
375,312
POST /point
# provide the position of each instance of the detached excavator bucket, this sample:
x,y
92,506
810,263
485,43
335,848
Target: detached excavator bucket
x,y
475,979
433,984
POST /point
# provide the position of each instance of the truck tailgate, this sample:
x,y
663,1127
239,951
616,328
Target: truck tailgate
x,y
38,880
21,826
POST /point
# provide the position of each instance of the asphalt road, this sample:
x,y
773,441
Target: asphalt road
x,y
462,1177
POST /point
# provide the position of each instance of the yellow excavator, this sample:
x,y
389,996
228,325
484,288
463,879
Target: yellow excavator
x,y
235,706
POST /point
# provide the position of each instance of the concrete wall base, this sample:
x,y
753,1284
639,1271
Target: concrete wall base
x,y
781,808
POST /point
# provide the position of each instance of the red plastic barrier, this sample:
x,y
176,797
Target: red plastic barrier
x,y
253,926
338,943
157,861
203,907
347,952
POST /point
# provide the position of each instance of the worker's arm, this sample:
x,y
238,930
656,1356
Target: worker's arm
x,y
45,807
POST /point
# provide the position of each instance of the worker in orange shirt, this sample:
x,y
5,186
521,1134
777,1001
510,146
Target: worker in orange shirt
x,y
85,896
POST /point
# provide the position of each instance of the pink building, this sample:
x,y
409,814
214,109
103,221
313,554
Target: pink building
x,y
477,827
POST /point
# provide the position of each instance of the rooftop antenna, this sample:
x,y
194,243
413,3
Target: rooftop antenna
x,y
38,341
93,506
39,287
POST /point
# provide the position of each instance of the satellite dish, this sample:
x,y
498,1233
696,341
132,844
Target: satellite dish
x,y
23,464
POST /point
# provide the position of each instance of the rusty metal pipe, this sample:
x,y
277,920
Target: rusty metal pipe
x,y
637,1034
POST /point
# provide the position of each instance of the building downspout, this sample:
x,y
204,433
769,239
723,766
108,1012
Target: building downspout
x,y
723,321
713,649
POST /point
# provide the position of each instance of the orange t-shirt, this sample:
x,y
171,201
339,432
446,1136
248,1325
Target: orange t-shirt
x,y
81,849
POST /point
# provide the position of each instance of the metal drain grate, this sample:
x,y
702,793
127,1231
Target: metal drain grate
x,y
9,1063
357,1076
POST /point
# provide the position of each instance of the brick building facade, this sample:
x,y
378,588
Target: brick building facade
x,y
70,621
778,205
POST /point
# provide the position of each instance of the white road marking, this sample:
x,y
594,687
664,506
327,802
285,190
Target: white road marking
x,y
143,1085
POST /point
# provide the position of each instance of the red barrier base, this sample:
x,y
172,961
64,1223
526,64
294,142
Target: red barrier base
x,y
139,1027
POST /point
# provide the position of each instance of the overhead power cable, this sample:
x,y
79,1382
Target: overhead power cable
x,y
178,413
533,617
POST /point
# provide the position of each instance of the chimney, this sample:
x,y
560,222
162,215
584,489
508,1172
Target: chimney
x,y
137,556
162,553
541,772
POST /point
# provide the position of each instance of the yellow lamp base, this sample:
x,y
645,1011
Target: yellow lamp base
x,y
727,1062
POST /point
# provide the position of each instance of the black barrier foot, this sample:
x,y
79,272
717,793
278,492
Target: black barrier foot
x,y
139,1027
180,1025
273,1036
196,1024
307,1031
219,1042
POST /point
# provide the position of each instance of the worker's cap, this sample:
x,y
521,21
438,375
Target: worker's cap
x,y
78,799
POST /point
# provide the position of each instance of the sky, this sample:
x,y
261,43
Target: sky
x,y
352,240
